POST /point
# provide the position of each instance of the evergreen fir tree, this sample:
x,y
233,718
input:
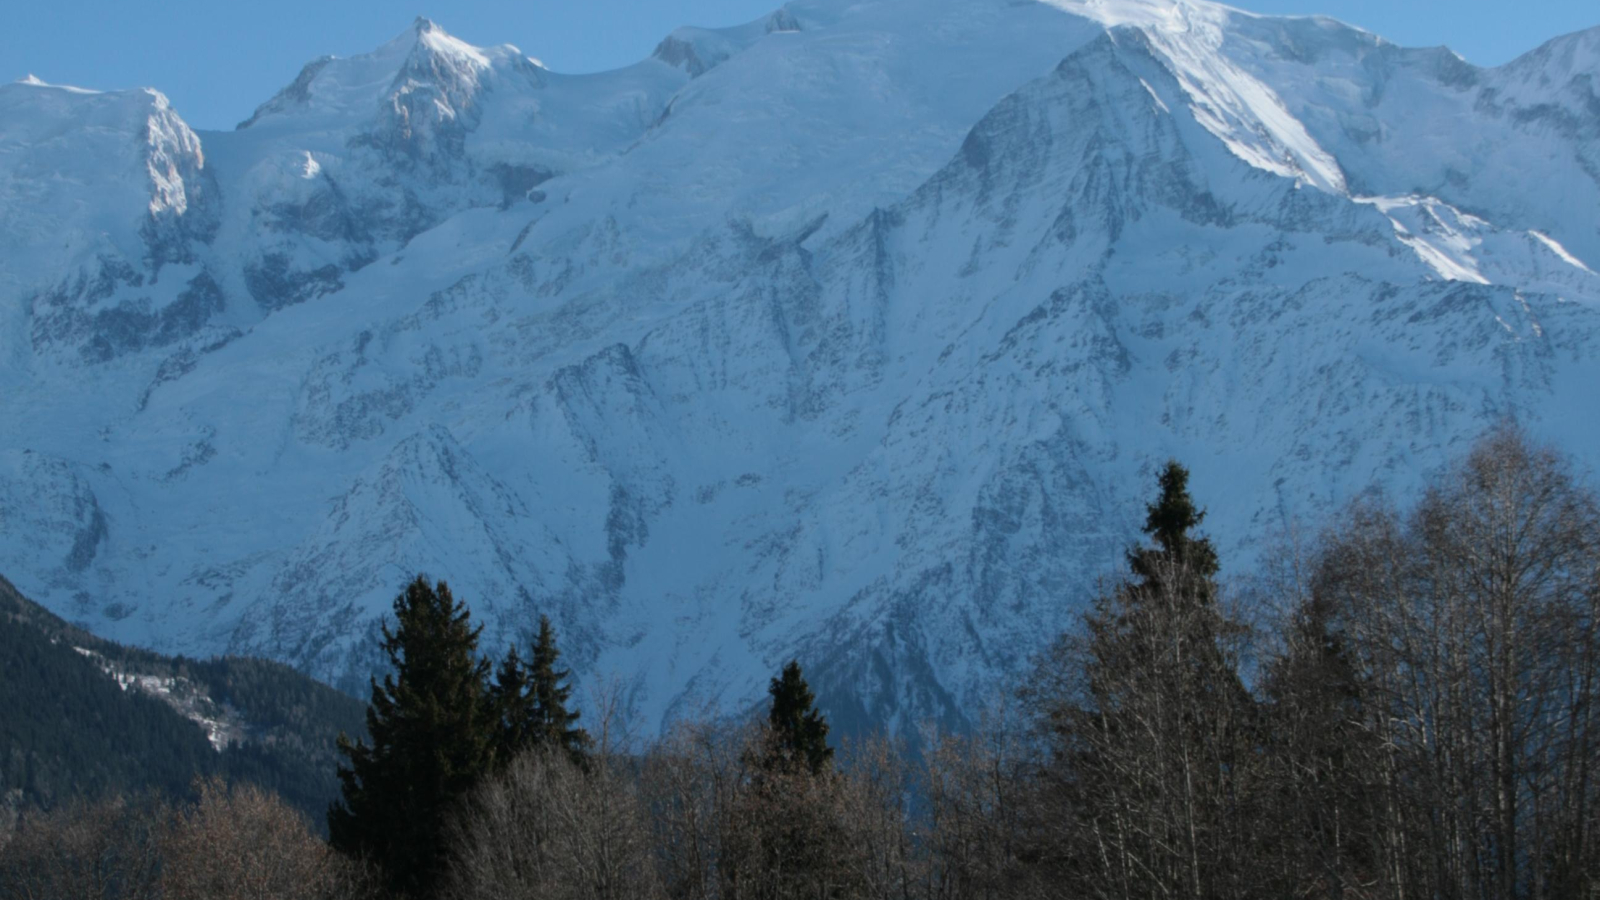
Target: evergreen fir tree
x,y
1170,522
1154,731
530,700
513,705
1174,587
553,723
431,726
799,732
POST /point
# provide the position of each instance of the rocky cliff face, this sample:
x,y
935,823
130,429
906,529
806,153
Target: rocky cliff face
x,y
854,334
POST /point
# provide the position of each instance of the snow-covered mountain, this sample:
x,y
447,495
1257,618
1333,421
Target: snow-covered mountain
x,y
855,333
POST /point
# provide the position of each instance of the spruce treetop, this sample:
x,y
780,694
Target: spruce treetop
x,y
514,705
550,693
531,698
799,732
1170,521
430,724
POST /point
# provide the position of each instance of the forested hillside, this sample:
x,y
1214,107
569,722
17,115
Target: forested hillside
x,y
82,718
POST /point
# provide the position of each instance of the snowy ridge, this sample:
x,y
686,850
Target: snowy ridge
x,y
1242,111
115,174
854,333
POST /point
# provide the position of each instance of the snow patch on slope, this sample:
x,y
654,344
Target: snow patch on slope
x,y
1560,251
1463,247
221,722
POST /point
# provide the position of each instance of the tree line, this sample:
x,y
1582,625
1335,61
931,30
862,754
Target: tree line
x,y
1402,706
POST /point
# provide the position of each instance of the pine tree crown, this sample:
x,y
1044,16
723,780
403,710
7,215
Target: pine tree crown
x,y
799,732
430,723
1170,521
532,701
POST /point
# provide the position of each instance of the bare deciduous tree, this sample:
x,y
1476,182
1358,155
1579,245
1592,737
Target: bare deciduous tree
x,y
101,851
551,827
244,843
690,780
983,813
1321,795
876,792
726,825
1474,622
1154,770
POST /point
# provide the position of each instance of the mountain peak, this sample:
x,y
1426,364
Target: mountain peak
x,y
352,88
1566,55
1167,14
438,43
424,37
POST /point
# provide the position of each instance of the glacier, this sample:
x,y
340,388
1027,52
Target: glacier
x,y
854,334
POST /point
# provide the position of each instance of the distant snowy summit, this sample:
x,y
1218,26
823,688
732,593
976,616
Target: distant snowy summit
x,y
853,334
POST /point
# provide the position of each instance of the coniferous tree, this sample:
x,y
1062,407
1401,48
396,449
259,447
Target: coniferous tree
x,y
799,733
1170,522
513,705
431,726
788,837
551,724
1151,725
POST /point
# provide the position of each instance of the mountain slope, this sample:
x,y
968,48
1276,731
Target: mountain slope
x,y
83,717
856,333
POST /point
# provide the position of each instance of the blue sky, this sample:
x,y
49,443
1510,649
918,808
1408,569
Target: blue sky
x,y
217,60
